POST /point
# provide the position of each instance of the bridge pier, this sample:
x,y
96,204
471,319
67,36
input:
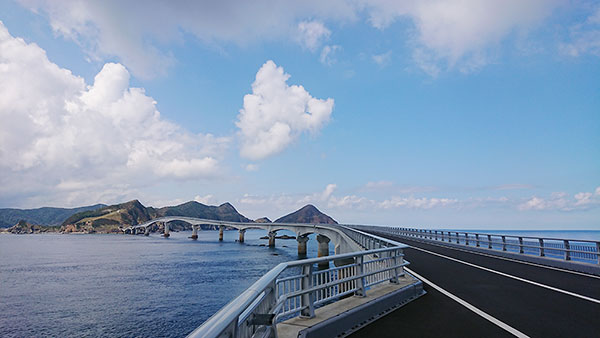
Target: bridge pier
x,y
302,245
147,231
323,250
242,232
194,231
166,231
221,233
272,235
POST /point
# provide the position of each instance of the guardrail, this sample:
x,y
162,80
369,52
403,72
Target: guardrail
x,y
565,249
297,288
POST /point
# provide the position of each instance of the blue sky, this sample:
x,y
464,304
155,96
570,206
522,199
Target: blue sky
x,y
454,114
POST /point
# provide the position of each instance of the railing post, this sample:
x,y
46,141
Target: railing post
x,y
457,238
477,240
489,241
598,251
567,250
307,300
503,243
542,254
395,277
521,245
436,238
466,238
362,292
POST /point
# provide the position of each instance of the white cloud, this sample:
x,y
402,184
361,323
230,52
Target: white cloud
x,y
457,32
251,167
563,202
584,38
514,186
207,199
311,34
379,184
139,35
446,33
63,140
382,59
275,114
329,189
417,203
328,54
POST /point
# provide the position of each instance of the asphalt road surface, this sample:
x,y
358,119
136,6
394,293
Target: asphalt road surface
x,y
531,309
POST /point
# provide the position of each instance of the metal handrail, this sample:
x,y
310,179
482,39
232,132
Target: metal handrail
x,y
271,299
567,249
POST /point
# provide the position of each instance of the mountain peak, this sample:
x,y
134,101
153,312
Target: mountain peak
x,y
307,214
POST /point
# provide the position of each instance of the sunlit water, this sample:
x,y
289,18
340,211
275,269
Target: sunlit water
x,y
123,285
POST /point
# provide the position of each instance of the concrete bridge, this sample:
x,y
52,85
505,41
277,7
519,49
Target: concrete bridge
x,y
325,233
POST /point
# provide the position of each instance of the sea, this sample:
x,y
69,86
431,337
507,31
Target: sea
x,y
54,285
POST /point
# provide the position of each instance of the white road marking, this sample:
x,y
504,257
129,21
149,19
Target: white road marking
x,y
477,311
441,245
513,277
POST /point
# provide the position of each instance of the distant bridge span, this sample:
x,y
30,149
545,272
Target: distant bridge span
x,y
325,233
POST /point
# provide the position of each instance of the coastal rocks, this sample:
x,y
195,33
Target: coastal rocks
x,y
23,227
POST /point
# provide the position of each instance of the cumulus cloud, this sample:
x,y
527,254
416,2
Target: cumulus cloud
x,y
63,139
311,34
563,201
276,114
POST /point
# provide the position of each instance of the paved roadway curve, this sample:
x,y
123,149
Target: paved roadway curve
x,y
533,310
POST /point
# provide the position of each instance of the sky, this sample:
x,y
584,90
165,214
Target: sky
x,y
437,113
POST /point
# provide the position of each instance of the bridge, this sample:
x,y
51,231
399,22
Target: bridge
x,y
324,232
458,284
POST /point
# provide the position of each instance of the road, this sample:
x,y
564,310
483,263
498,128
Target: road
x,y
534,301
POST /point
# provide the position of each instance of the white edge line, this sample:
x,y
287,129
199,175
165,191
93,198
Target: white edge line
x,y
477,311
513,277
491,255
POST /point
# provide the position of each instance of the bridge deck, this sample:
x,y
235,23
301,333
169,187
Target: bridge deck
x,y
531,309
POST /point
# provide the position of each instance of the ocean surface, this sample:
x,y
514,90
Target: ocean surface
x,y
136,286
54,285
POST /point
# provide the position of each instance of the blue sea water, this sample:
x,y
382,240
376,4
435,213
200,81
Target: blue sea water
x,y
128,286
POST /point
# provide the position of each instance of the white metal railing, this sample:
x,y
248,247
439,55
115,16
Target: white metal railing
x,y
567,249
298,287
